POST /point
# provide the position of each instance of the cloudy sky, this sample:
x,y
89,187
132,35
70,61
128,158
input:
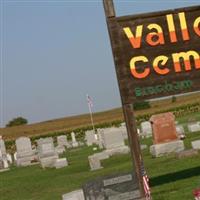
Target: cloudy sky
x,y
53,53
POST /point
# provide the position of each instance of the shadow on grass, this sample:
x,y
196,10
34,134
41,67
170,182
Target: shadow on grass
x,y
176,176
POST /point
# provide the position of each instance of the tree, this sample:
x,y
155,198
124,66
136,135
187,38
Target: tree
x,y
141,105
17,121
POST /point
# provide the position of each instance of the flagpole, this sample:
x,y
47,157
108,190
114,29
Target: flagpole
x,y
91,116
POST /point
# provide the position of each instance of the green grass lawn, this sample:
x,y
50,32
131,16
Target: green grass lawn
x,y
170,178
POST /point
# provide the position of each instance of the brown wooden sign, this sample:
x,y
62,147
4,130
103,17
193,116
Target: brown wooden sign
x,y
156,54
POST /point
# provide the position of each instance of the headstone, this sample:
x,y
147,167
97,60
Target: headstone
x,y
180,130
2,147
167,148
112,138
25,154
60,149
3,155
90,138
123,129
99,138
146,129
165,137
187,153
75,195
117,187
74,142
9,158
143,146
60,163
194,127
164,129
47,153
62,141
196,144
95,160
113,141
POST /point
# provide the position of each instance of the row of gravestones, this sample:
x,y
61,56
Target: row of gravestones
x,y
46,153
146,128
166,140
167,135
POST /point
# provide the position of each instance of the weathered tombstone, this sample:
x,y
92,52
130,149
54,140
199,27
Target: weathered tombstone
x,y
60,163
1,161
113,141
124,130
99,138
112,138
46,152
194,127
117,187
180,130
75,195
74,142
90,138
196,144
165,137
62,141
62,144
2,146
187,153
3,155
146,129
95,160
25,154
9,158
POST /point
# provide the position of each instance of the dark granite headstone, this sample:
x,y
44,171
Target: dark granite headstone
x,y
117,187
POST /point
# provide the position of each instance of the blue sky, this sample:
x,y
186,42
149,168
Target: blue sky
x,y
55,52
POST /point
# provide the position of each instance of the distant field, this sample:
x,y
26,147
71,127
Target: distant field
x,y
70,123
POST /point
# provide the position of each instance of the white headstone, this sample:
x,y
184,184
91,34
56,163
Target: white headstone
x,y
60,163
47,153
194,127
3,155
196,144
95,160
74,142
75,195
146,129
2,146
180,130
9,158
90,138
25,154
112,138
62,141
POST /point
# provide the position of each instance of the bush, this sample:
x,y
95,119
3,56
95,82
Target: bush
x,y
141,105
17,121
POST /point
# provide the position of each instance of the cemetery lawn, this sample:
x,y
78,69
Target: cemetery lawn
x,y
170,178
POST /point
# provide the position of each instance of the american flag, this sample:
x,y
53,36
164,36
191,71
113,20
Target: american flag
x,y
145,183
89,101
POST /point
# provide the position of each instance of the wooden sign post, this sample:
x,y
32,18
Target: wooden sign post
x,y
156,55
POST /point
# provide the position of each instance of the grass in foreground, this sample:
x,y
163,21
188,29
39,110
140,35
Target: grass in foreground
x,y
171,178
